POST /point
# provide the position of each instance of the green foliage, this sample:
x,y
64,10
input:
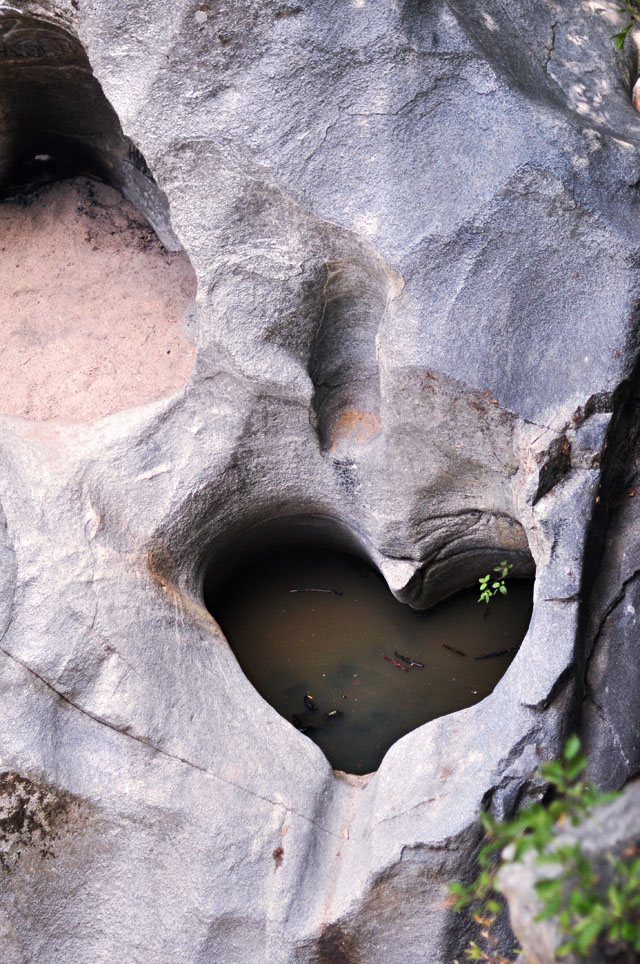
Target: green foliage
x,y
585,910
631,10
497,586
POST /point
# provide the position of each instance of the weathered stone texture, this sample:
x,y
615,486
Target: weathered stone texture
x,y
415,231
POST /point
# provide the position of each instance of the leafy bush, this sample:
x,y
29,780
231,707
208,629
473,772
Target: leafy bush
x,y
585,910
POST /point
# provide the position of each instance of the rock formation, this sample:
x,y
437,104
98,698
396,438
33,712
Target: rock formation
x,y
414,227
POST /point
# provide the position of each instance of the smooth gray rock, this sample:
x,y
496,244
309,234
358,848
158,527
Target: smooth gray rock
x,y
610,726
416,246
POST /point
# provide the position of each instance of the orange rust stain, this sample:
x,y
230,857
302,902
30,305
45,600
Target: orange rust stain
x,y
355,425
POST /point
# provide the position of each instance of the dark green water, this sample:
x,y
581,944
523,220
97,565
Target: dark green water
x,y
330,645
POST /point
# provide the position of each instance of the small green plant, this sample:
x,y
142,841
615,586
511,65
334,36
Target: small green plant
x,y
586,911
631,10
487,591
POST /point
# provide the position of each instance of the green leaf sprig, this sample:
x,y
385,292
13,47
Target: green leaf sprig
x,y
586,911
631,9
487,592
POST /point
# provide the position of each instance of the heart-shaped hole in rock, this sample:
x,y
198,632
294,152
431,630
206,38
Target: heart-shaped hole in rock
x,y
320,636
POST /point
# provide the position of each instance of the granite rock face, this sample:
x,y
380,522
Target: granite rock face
x,y
415,231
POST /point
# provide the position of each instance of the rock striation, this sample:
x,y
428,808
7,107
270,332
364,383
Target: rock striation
x,y
415,232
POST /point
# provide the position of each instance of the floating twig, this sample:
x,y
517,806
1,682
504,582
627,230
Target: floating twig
x,y
411,662
395,662
452,649
498,652
332,592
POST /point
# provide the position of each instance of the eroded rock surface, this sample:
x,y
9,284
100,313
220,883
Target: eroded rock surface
x,y
416,249
94,311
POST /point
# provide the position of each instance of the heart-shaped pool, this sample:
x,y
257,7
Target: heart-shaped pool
x,y
322,639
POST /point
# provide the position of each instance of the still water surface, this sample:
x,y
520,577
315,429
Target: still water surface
x,y
329,646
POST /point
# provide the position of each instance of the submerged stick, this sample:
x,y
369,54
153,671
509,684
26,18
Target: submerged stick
x,y
332,592
498,652
411,662
452,649
303,725
395,662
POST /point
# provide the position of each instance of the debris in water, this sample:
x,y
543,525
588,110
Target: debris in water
x,y
452,649
332,592
395,662
498,652
333,715
302,725
307,727
411,662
